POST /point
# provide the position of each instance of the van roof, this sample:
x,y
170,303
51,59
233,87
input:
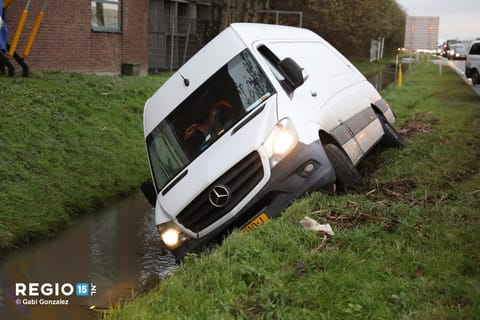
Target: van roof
x,y
208,60
252,32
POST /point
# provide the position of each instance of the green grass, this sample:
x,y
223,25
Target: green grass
x,y
408,248
368,68
69,143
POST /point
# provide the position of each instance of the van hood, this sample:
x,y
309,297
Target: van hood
x,y
241,140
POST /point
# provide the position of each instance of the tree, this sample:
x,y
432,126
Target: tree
x,y
349,25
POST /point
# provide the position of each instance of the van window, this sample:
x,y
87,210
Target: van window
x,y
475,49
272,61
313,56
225,98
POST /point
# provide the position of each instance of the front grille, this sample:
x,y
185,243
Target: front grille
x,y
239,180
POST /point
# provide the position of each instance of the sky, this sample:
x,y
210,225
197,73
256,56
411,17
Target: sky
x,y
459,19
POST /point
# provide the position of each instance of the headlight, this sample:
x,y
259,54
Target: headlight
x,y
170,235
281,141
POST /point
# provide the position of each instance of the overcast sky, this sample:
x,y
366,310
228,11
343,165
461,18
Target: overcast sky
x,y
459,19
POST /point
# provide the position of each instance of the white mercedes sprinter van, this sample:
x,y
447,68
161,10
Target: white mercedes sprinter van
x,y
257,118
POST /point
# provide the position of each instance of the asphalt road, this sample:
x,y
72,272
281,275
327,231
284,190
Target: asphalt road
x,y
459,67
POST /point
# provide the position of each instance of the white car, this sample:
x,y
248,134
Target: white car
x,y
257,118
472,63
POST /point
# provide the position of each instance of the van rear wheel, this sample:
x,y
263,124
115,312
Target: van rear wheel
x,y
348,179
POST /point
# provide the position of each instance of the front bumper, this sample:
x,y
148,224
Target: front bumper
x,y
304,170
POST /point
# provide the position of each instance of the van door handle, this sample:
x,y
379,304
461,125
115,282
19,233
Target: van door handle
x,y
313,93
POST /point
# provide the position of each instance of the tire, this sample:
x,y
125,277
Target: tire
x,y
475,77
468,72
391,138
348,179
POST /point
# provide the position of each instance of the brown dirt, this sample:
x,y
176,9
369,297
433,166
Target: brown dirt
x,y
420,123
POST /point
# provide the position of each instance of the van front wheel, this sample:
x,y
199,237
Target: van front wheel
x,y
348,179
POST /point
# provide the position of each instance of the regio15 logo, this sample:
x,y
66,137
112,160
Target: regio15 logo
x,y
35,289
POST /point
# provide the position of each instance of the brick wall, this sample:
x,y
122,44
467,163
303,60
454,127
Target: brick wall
x,y
66,42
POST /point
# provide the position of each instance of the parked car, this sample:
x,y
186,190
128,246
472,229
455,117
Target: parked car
x,y
257,118
457,51
472,63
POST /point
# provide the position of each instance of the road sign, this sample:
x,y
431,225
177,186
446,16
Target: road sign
x,y
421,33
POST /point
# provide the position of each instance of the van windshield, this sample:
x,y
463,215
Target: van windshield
x,y
237,88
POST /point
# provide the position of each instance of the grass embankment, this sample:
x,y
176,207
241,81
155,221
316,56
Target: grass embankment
x,y
69,143
368,68
409,248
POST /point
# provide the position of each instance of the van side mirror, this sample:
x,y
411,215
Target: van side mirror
x,y
149,192
292,72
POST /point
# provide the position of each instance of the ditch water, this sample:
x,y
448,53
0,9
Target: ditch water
x,y
117,250
382,79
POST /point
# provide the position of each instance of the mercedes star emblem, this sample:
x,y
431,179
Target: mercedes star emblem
x,y
219,196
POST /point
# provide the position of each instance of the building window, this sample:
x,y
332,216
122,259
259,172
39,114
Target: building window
x,y
106,15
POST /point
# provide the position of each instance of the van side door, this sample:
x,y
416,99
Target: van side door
x,y
328,75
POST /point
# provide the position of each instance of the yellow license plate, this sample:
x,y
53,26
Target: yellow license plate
x,y
258,221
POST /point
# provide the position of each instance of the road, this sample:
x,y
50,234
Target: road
x,y
459,67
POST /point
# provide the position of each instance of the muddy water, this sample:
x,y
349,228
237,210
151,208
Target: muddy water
x,y
114,252
381,80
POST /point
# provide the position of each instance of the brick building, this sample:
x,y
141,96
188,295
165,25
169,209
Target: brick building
x,y
101,35
84,36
